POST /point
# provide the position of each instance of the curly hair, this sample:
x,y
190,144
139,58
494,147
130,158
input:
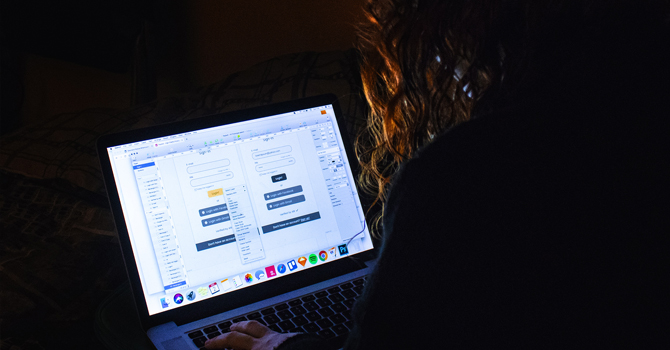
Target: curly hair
x,y
425,65
429,65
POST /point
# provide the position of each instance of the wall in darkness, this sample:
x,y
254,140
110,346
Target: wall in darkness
x,y
197,42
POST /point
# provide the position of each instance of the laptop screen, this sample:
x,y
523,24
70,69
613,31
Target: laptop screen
x,y
223,208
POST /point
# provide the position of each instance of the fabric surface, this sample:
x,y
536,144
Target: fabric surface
x,y
59,254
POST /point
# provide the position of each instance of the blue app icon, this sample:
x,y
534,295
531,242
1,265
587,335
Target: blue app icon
x,y
260,274
343,249
281,268
164,303
178,298
292,265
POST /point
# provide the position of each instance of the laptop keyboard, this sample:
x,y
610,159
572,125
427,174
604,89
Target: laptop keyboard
x,y
326,313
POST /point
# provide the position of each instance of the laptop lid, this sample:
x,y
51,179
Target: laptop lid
x,y
222,211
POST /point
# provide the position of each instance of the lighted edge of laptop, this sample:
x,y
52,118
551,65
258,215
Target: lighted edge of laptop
x,y
234,211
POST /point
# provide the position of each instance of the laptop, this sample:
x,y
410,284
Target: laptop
x,y
249,215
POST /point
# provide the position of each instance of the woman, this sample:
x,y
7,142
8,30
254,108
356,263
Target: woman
x,y
523,147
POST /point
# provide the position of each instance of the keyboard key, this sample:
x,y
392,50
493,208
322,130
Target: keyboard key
x,y
346,314
297,330
295,302
323,302
255,315
239,319
324,323
225,330
327,334
311,306
349,294
337,319
261,321
285,314
195,334
199,342
312,316
286,325
359,282
334,290
308,298
300,320
212,335
210,329
358,289
346,285
340,329
336,297
275,328
338,307
281,307
325,312
321,294
311,328
271,319
349,324
268,311
226,324
298,310
349,303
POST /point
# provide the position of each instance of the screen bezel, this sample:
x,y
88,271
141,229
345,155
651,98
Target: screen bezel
x,y
248,295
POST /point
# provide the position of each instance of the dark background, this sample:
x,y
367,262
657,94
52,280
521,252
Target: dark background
x,y
65,56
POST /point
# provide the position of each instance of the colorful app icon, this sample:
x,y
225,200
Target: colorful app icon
x,y
214,288
312,259
292,265
237,281
302,260
190,295
260,274
343,249
270,271
248,278
164,303
225,284
323,255
281,268
202,291
332,251
178,298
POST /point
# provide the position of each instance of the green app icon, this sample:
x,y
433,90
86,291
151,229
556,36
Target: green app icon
x,y
312,259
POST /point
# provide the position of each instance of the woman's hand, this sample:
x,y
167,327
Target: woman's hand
x,y
248,335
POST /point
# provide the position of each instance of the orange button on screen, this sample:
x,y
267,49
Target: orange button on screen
x,y
214,193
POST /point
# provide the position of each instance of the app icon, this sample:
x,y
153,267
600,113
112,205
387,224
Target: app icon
x,y
202,291
323,255
270,270
237,281
225,284
214,288
164,303
343,249
281,268
260,274
178,298
292,265
190,296
332,251
248,278
312,258
302,260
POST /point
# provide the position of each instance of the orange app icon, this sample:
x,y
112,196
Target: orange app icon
x,y
302,260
